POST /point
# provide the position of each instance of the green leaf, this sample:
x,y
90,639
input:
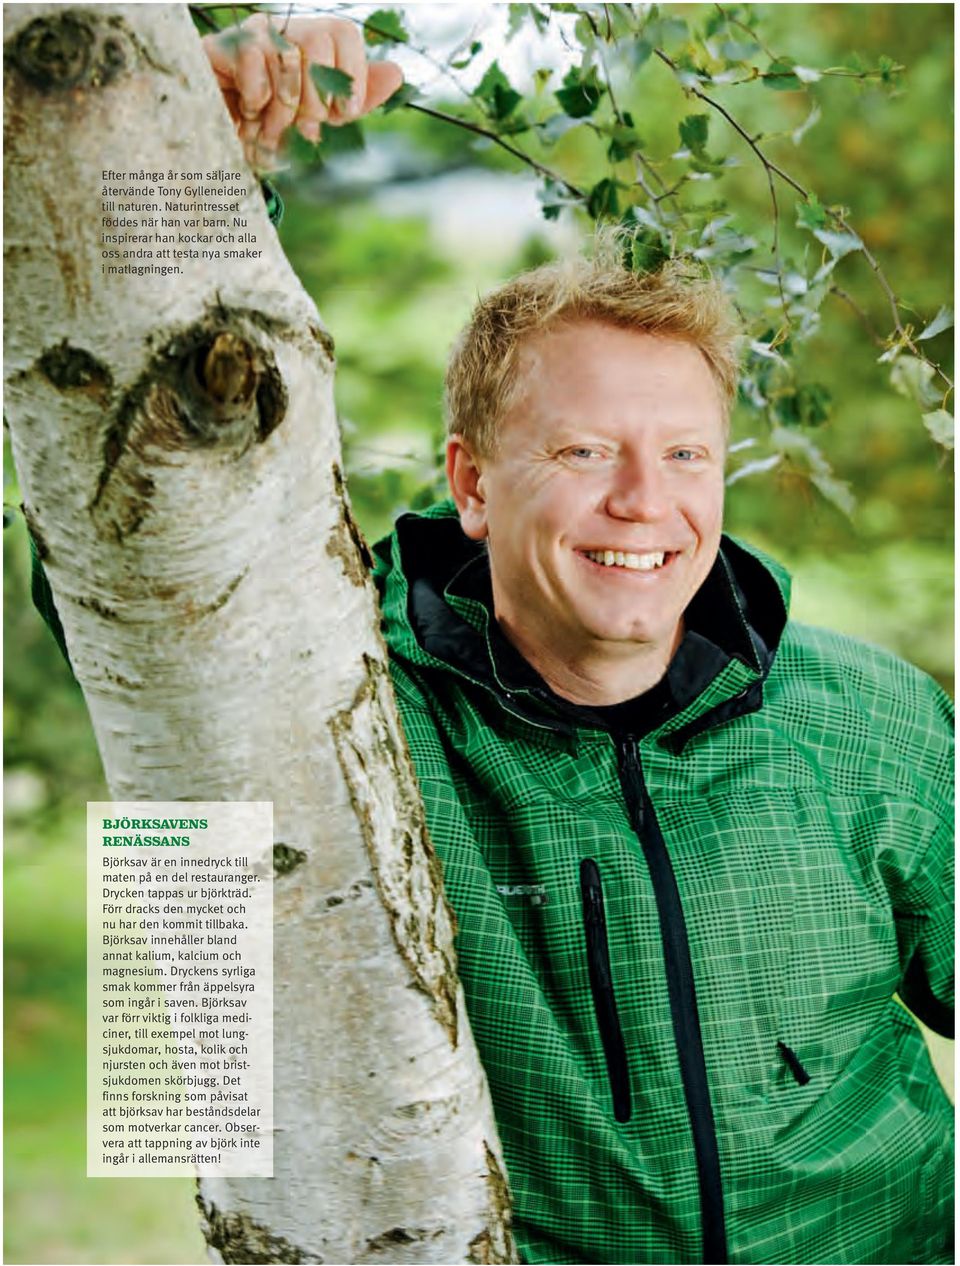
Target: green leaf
x,y
693,133
736,51
727,246
619,23
331,82
385,26
800,448
624,142
689,74
646,252
942,321
518,12
939,423
346,139
580,94
9,517
814,403
550,130
517,122
583,32
838,243
277,39
665,30
836,491
404,94
913,378
553,197
603,200
780,76
471,53
233,39
638,51
785,409
709,166
495,92
811,214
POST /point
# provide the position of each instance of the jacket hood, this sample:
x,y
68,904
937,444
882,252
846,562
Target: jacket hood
x,y
424,624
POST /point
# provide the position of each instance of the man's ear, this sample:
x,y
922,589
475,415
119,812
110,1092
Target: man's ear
x,y
465,478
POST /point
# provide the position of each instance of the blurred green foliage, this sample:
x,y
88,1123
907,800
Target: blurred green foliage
x,y
394,281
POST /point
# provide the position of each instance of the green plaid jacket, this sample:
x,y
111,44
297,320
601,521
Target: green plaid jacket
x,y
680,948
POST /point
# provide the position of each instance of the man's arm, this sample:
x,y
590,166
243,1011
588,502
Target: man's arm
x,y
927,985
923,902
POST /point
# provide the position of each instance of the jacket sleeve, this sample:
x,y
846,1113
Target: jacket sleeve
x,y
927,985
923,900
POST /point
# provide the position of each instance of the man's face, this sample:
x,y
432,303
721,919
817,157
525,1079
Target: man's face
x,y
602,507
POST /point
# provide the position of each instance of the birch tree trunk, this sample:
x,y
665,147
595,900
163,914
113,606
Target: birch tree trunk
x,y
178,454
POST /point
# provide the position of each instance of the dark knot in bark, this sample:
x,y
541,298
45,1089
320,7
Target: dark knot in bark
x,y
225,370
75,369
238,1238
232,378
65,50
214,384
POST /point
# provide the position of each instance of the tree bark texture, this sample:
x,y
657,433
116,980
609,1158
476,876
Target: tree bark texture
x,y
179,460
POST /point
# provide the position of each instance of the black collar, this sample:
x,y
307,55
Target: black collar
x,y
715,632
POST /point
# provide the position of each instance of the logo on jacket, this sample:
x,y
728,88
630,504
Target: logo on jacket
x,y
536,893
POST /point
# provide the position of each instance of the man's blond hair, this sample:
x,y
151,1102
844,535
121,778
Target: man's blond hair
x,y
679,300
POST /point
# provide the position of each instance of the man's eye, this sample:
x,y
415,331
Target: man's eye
x,y
685,454
583,452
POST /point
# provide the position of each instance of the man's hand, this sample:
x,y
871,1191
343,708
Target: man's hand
x,y
265,80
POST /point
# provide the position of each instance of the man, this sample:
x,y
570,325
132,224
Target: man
x,y
693,848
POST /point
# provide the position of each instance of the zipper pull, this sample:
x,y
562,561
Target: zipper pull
x,y
632,779
793,1063
630,753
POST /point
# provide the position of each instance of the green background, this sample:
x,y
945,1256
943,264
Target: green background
x,y
394,276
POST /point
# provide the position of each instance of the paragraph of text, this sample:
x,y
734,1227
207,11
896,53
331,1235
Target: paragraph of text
x,y
153,221
180,989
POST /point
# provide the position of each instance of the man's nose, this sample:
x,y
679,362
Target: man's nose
x,y
638,492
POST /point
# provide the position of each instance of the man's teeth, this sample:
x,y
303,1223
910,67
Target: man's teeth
x,y
633,562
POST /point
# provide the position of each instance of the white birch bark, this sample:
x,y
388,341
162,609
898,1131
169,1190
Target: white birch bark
x,y
179,460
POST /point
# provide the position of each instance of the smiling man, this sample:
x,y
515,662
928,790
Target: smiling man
x,y
603,505
694,849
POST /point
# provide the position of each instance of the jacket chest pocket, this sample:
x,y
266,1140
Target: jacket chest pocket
x,y
842,965
792,935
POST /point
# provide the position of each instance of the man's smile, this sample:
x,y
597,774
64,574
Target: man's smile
x,y
622,560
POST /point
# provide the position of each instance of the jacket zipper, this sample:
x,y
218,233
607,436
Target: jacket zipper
x,y
601,986
683,1000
